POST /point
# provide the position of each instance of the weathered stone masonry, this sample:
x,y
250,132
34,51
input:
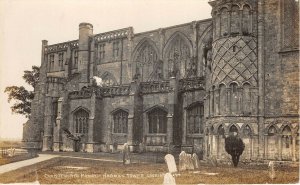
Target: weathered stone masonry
x,y
183,87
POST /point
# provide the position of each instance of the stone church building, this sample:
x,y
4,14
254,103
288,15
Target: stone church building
x,y
184,87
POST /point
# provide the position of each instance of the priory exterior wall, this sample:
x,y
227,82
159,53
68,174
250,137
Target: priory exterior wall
x,y
184,87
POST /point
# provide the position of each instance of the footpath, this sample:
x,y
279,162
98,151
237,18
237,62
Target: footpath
x,y
16,165
108,157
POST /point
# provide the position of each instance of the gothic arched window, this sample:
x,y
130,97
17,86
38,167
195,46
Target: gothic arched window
x,y
146,60
234,98
157,121
195,119
179,58
120,119
81,118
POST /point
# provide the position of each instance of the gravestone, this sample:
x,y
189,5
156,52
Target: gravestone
x,y
189,162
126,154
11,152
169,158
196,161
169,179
272,170
115,147
182,161
213,161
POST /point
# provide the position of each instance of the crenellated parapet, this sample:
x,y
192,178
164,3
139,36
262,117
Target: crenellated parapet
x,y
100,92
155,87
112,35
123,90
58,80
82,94
191,84
61,46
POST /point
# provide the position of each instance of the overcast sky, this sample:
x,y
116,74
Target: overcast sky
x,y
24,23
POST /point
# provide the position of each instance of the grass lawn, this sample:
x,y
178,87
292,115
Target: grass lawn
x,y
16,158
79,171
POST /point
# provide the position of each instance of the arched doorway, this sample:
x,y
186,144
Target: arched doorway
x,y
271,143
233,130
247,139
221,141
286,143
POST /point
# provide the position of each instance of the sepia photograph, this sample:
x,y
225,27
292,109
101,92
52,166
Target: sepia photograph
x,y
149,92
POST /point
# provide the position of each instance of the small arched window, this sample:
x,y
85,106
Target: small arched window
x,y
221,130
235,20
224,22
246,99
246,20
247,131
234,98
222,98
120,119
233,130
81,118
286,136
272,131
157,121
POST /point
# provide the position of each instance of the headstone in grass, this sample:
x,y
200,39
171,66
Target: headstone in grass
x,y
126,154
169,179
189,162
182,161
196,161
213,161
11,152
272,170
169,158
